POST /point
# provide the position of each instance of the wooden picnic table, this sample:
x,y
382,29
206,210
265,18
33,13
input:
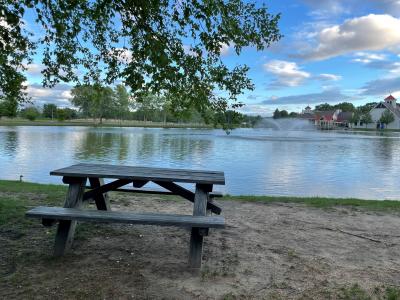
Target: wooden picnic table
x,y
76,177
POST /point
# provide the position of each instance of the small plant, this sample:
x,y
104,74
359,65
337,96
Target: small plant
x,y
355,292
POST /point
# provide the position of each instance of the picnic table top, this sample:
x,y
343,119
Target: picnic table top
x,y
141,173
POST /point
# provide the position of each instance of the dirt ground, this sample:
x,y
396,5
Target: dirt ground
x,y
267,251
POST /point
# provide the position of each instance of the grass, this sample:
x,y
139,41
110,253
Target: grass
x,y
53,194
322,202
90,123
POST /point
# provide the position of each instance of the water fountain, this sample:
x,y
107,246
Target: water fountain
x,y
286,124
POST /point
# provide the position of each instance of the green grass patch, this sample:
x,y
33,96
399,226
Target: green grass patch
x,y
11,210
322,202
29,187
50,194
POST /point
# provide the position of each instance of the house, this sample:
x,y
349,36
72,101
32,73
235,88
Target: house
x,y
344,118
326,119
388,104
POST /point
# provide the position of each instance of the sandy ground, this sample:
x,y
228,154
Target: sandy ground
x,y
267,251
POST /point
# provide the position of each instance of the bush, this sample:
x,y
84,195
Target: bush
x,y
30,113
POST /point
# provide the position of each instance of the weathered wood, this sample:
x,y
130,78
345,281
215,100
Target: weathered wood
x,y
142,173
63,214
48,222
70,180
101,200
176,189
196,237
139,183
159,192
188,195
66,228
105,188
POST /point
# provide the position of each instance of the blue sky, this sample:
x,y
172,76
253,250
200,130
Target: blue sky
x,y
332,51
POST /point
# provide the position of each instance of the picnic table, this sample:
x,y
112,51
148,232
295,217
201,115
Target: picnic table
x,y
76,176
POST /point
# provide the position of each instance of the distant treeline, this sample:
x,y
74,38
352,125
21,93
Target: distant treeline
x,y
344,106
99,102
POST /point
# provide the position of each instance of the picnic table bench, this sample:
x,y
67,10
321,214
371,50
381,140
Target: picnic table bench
x,y
76,177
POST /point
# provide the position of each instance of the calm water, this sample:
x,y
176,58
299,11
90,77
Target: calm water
x,y
255,161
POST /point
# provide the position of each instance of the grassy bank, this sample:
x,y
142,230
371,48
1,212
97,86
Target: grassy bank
x,y
90,123
53,194
374,129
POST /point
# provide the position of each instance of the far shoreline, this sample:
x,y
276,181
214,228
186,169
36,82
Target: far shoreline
x,y
105,123
148,124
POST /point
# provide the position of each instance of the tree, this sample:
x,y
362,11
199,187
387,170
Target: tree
x,y
121,100
367,107
30,113
345,106
167,47
355,118
65,114
147,104
49,110
8,107
283,114
276,114
324,107
367,119
93,101
387,117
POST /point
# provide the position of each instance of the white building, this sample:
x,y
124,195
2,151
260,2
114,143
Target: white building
x,y
390,104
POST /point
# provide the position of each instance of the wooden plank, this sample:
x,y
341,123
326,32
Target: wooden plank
x,y
66,228
141,173
196,237
188,195
60,213
105,188
159,192
176,189
139,183
101,199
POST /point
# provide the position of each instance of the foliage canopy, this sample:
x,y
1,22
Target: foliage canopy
x,y
166,47
387,117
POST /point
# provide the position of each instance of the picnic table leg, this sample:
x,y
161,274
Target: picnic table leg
x,y
196,237
102,201
66,228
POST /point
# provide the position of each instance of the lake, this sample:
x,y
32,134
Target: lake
x,y
255,161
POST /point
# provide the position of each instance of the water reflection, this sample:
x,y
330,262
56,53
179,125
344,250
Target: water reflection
x,y
259,162
9,142
102,146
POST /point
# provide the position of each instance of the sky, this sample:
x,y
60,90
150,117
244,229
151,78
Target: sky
x,y
332,51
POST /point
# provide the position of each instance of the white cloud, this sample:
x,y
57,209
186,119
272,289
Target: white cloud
x,y
288,73
365,57
256,109
188,50
367,33
123,55
59,94
325,8
327,77
331,95
34,69
328,8
225,49
381,87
